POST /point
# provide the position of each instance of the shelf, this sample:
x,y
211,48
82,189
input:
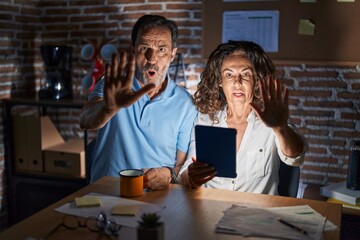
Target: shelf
x,y
44,175
29,191
63,103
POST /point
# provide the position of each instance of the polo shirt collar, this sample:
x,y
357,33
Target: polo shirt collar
x,y
168,92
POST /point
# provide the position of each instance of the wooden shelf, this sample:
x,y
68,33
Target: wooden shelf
x,y
28,192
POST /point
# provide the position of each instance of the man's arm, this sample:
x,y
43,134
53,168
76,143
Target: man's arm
x,y
94,114
160,178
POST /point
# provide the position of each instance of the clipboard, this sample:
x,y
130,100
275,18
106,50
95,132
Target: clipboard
x,y
216,146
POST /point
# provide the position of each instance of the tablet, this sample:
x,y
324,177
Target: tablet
x,y
217,147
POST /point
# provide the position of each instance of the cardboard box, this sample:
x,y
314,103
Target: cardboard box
x,y
41,134
32,135
66,159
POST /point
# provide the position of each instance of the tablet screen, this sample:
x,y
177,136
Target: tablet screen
x,y
217,147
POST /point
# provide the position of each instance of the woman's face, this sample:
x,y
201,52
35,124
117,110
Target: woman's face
x,y
237,79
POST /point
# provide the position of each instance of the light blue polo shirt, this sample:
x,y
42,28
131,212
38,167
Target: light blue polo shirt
x,y
146,134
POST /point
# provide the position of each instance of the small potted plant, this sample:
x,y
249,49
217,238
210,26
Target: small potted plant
x,y
150,227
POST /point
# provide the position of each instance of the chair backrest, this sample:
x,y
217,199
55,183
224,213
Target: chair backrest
x,y
89,156
289,177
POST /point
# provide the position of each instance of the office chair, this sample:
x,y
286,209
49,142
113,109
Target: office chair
x,y
289,177
89,152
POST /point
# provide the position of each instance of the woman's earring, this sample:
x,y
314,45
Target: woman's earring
x,y
220,85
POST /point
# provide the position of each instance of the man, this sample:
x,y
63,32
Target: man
x,y
144,120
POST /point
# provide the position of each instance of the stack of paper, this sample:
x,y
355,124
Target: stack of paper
x,y
297,222
341,193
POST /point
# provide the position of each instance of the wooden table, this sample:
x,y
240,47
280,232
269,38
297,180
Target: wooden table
x,y
188,214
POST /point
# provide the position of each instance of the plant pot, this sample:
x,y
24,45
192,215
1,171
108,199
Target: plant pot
x,y
151,233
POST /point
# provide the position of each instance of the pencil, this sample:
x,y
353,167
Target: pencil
x,y
292,226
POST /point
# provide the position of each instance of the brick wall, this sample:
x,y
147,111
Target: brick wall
x,y
325,106
324,98
16,45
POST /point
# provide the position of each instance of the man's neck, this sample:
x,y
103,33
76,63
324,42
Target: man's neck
x,y
157,90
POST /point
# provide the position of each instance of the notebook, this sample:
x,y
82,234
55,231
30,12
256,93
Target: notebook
x,y
340,192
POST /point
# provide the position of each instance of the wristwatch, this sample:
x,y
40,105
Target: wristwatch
x,y
174,178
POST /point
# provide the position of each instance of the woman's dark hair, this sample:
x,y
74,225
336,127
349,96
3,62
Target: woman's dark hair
x,y
151,21
209,97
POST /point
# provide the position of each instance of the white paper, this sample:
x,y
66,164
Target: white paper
x,y
261,27
107,203
305,212
263,222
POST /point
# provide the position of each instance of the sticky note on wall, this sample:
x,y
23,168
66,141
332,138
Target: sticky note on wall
x,y
306,27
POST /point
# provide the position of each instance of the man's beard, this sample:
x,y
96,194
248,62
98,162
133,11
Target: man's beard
x,y
141,75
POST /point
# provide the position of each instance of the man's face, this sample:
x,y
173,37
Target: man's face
x,y
154,53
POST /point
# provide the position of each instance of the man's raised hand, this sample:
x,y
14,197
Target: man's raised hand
x,y
119,77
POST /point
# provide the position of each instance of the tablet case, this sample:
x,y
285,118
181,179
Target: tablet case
x,y
217,147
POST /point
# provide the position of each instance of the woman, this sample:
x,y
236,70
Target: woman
x,y
238,90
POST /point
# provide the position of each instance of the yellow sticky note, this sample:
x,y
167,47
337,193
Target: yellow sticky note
x,y
129,210
306,27
87,202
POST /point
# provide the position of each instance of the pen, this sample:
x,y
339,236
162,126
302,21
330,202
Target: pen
x,y
292,226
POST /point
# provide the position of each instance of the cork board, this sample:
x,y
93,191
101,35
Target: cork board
x,y
337,28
